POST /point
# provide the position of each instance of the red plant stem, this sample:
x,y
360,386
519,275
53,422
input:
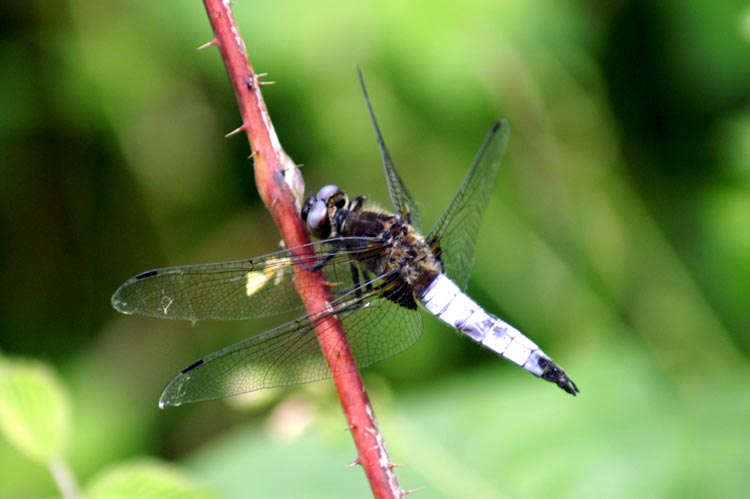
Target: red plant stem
x,y
273,169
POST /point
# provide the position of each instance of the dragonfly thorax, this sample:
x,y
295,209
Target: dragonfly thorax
x,y
329,214
404,251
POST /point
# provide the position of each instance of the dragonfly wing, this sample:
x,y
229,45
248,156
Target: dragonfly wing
x,y
244,289
454,235
402,200
290,354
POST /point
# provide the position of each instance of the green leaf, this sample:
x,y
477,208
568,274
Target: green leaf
x,y
144,479
34,409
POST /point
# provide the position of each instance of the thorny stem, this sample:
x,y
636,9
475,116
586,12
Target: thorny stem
x,y
280,184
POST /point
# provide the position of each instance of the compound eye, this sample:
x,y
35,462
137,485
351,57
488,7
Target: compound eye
x,y
333,196
306,208
317,214
327,192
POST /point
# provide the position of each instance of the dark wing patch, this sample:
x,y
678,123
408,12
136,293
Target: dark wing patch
x,y
376,328
242,289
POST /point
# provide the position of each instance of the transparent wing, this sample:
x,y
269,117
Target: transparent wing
x,y
242,289
454,235
402,200
375,328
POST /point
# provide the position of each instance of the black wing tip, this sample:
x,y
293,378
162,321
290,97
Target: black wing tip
x,y
192,366
118,301
173,394
501,123
145,275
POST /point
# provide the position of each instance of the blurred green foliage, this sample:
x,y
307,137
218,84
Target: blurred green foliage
x,y
618,236
35,419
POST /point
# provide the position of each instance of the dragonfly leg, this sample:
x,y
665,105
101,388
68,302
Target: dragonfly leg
x,y
355,280
356,273
357,203
318,264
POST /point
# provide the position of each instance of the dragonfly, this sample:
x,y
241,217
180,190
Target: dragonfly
x,y
379,269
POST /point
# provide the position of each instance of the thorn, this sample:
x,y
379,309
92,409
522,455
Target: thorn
x,y
256,79
252,155
263,83
209,44
411,491
300,165
235,131
354,463
395,465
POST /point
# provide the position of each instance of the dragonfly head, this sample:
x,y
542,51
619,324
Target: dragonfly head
x,y
320,209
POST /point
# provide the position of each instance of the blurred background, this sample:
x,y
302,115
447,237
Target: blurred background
x,y
618,237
